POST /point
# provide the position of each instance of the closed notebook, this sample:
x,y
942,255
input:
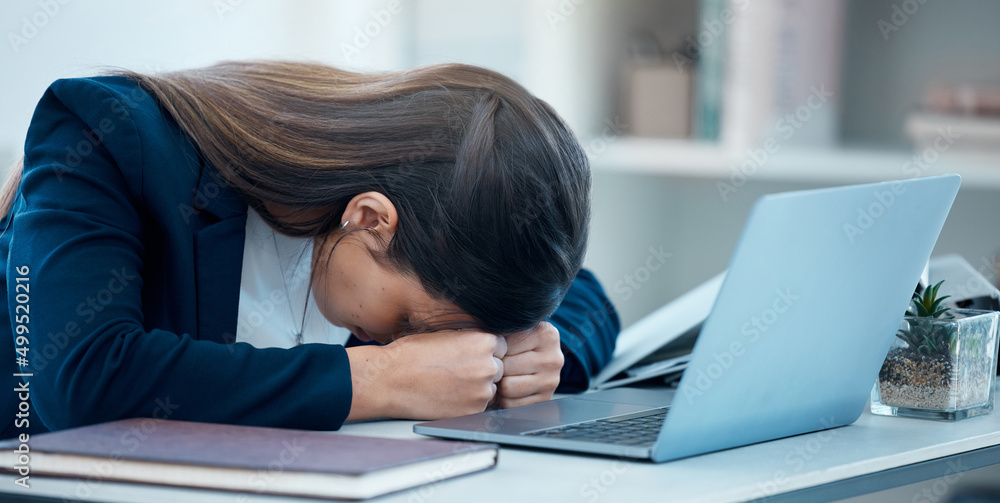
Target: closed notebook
x,y
248,459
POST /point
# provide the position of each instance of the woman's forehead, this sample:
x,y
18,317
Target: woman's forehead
x,y
421,306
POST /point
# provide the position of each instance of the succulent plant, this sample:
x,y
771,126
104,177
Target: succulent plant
x,y
928,304
923,335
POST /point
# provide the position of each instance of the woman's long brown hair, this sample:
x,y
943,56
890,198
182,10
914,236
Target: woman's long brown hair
x,y
491,187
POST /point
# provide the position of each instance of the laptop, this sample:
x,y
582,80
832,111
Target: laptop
x,y
659,346
804,316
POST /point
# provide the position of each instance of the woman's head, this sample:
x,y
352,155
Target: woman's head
x,y
452,178
354,288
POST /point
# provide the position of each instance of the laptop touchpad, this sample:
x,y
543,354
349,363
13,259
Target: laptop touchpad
x,y
635,396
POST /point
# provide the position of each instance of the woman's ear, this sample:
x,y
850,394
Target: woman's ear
x,y
371,210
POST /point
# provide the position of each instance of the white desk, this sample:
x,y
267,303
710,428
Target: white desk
x,y
874,453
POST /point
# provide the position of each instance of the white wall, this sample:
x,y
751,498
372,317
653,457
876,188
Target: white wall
x,y
560,49
50,39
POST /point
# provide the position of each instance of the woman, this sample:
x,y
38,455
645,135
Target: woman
x,y
186,245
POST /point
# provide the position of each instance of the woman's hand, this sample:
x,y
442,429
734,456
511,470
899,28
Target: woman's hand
x,y
531,367
427,376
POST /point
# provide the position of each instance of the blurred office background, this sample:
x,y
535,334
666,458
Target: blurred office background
x,y
689,109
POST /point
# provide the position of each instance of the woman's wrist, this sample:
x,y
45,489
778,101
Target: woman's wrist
x,y
369,393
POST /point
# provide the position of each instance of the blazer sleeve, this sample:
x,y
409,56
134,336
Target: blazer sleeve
x,y
588,326
78,229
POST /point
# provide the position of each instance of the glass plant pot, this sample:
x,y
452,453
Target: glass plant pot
x,y
940,368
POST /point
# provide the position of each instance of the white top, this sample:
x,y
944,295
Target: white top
x,y
273,291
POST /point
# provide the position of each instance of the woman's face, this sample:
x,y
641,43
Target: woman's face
x,y
354,291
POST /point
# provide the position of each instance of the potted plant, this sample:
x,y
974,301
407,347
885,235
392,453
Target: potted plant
x,y
941,364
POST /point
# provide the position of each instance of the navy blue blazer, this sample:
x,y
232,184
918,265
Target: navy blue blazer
x,y
122,258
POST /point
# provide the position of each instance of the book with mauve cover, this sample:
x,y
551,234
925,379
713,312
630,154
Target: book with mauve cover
x,y
248,459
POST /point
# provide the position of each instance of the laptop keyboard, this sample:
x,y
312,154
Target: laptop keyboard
x,y
638,429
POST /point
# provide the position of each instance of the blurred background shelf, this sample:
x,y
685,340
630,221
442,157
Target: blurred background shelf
x,y
705,160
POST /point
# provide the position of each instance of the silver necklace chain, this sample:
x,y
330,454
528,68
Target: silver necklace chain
x,y
297,333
